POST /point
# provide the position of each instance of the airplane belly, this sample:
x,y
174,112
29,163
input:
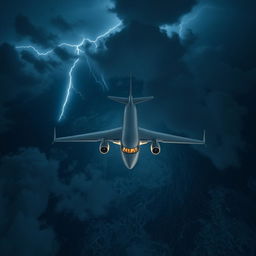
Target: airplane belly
x,y
130,135
130,138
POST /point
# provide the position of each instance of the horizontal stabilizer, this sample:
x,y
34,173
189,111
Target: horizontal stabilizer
x,y
122,100
142,99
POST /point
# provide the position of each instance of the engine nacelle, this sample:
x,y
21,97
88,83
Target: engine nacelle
x,y
155,148
104,147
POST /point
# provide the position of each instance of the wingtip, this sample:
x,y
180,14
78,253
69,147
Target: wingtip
x,y
54,135
204,137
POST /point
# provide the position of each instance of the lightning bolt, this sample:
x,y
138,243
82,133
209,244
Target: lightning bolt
x,y
70,85
102,81
78,51
35,50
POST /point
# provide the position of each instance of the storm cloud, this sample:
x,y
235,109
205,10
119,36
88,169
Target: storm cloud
x,y
37,35
145,46
27,179
152,12
60,23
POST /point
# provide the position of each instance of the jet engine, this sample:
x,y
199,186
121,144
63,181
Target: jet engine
x,y
155,148
104,147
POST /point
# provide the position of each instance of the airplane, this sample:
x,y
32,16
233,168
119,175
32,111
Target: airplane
x,y
129,136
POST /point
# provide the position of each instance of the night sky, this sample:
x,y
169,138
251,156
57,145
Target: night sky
x,y
197,58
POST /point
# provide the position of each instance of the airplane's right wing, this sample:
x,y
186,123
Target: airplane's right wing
x,y
149,136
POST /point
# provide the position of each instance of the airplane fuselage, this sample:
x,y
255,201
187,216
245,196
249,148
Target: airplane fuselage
x,y
130,135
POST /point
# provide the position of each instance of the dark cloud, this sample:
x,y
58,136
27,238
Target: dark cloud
x,y
27,179
228,26
87,18
62,53
14,78
206,98
86,197
5,122
128,233
60,23
39,64
152,12
148,53
37,35
222,233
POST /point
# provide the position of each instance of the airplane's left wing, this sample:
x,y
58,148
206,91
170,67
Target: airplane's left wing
x,y
113,135
149,136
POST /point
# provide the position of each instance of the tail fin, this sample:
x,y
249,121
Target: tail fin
x,y
124,100
130,94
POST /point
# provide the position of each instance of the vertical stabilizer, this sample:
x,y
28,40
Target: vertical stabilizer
x,y
130,94
130,99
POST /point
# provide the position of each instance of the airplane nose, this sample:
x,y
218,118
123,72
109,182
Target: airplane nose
x,y
130,160
130,164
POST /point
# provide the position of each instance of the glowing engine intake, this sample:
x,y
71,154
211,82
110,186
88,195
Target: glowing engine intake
x,y
155,148
104,147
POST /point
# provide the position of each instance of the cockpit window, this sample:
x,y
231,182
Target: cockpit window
x,y
129,150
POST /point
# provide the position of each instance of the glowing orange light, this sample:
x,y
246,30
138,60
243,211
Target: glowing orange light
x,y
130,150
